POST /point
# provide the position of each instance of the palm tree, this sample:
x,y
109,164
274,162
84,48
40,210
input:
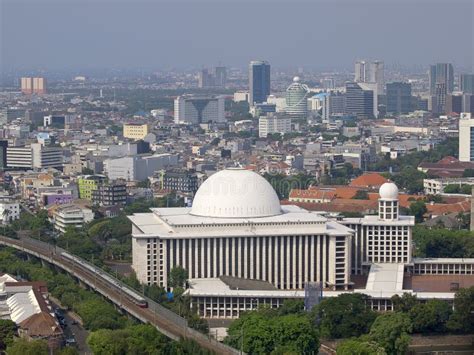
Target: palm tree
x,y
6,213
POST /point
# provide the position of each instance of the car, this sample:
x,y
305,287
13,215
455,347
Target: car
x,y
70,341
74,322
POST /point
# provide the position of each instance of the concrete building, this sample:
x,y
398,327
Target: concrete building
x,y
240,96
87,184
441,81
135,131
273,123
360,100
467,83
67,216
436,186
199,109
296,99
138,168
236,227
398,97
9,209
370,72
34,156
110,194
180,180
466,138
33,85
259,81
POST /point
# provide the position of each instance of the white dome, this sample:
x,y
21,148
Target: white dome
x,y
236,193
296,79
388,191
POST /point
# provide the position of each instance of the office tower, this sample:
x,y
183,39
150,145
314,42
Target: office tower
x,y
376,75
259,81
468,103
467,83
296,101
441,79
3,154
361,72
135,130
359,100
398,97
220,77
466,137
328,83
199,109
454,103
33,85
205,79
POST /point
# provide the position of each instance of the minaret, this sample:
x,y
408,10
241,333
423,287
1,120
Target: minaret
x,y
388,202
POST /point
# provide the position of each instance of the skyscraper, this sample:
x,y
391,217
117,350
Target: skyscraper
x,y
221,77
467,83
359,101
398,97
466,137
33,85
259,81
296,99
441,84
373,72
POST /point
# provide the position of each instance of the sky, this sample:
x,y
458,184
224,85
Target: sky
x,y
185,34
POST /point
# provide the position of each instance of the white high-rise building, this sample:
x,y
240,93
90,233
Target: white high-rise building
x,y
273,123
296,99
466,137
372,72
199,109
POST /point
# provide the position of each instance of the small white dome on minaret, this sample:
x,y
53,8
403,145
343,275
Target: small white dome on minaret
x,y
388,191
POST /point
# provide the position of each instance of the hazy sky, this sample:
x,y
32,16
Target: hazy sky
x,y
71,34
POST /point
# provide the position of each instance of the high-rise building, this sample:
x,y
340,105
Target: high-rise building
x,y
296,99
441,79
34,156
180,180
359,100
468,103
372,72
205,79
199,109
454,103
466,137
110,194
259,81
220,77
33,85
467,83
135,131
398,97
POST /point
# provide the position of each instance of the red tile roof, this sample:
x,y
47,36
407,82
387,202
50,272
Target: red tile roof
x,y
370,181
312,193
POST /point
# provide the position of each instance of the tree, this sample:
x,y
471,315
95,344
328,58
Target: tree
x,y
451,189
468,173
178,277
430,317
359,347
361,195
442,243
344,316
418,209
24,347
7,333
390,330
462,319
404,303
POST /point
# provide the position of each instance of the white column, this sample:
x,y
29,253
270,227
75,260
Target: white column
x,y
300,263
189,258
323,246
293,261
276,262
332,258
203,257
282,260
257,242
221,255
214,257
171,255
266,253
239,257
251,258
319,240
313,257
233,257
165,262
196,262
306,264
245,266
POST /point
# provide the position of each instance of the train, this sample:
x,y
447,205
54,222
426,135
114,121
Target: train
x,y
136,298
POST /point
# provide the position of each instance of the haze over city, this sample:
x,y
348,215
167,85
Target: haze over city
x,y
327,35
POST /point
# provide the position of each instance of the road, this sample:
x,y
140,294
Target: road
x,y
162,318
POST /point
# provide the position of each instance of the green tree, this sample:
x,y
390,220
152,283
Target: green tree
x,y
442,243
418,209
390,330
451,189
7,333
344,316
24,347
404,303
359,347
462,319
430,317
361,195
178,277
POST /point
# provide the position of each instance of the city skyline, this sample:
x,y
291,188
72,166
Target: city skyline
x,y
324,36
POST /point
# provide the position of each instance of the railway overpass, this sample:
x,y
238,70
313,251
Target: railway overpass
x,y
166,321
